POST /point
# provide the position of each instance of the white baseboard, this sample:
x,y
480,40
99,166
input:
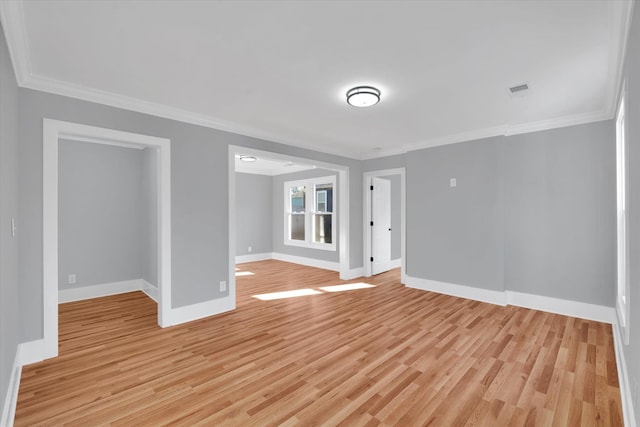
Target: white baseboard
x,y
395,263
97,291
469,292
31,352
26,354
583,310
150,290
623,378
198,311
352,274
11,398
310,262
253,257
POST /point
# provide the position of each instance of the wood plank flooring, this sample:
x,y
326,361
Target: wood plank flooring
x,y
385,355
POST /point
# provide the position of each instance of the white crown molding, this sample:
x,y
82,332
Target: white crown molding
x,y
72,90
504,130
558,122
619,38
471,135
12,17
383,152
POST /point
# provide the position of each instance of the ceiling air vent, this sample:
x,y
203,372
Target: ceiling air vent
x,y
519,90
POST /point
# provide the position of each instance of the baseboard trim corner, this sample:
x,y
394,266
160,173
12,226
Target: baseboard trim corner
x,y
583,310
150,290
310,262
11,398
200,310
352,274
626,396
102,290
31,352
240,259
462,291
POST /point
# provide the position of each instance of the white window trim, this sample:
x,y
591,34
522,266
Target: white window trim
x,y
622,219
310,204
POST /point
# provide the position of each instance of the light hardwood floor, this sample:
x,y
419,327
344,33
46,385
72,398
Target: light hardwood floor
x,y
386,355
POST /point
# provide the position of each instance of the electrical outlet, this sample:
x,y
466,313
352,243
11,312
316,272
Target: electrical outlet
x,y
453,182
249,249
72,279
223,286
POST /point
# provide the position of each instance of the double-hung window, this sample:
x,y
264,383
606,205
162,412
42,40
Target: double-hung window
x,y
309,213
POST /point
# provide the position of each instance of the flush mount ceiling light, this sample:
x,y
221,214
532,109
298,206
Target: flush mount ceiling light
x,y
363,96
248,158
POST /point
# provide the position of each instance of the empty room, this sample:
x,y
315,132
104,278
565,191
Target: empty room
x,y
283,212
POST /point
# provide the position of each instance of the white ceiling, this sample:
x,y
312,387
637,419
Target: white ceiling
x,y
270,166
280,69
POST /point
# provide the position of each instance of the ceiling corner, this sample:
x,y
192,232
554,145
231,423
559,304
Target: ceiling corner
x,y
620,33
12,18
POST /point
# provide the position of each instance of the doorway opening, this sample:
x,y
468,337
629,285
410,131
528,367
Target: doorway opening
x,y
384,221
53,132
243,203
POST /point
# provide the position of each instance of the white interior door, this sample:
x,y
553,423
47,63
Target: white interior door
x,y
380,225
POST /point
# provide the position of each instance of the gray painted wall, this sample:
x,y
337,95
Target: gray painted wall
x,y
100,213
560,200
454,235
199,191
278,217
254,213
9,280
531,213
382,163
632,74
149,215
396,253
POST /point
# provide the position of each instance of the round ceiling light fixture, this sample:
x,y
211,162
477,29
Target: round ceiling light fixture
x,y
248,158
363,96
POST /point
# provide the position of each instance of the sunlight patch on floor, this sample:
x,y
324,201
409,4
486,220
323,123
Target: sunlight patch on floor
x,y
307,291
287,294
244,273
347,287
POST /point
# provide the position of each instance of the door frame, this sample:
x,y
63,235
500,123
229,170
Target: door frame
x,y
343,206
366,214
53,130
381,255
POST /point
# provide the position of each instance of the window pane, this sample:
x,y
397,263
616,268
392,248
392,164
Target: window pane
x,y
296,228
322,228
324,198
297,197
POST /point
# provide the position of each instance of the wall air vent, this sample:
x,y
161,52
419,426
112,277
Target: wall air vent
x,y
519,90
